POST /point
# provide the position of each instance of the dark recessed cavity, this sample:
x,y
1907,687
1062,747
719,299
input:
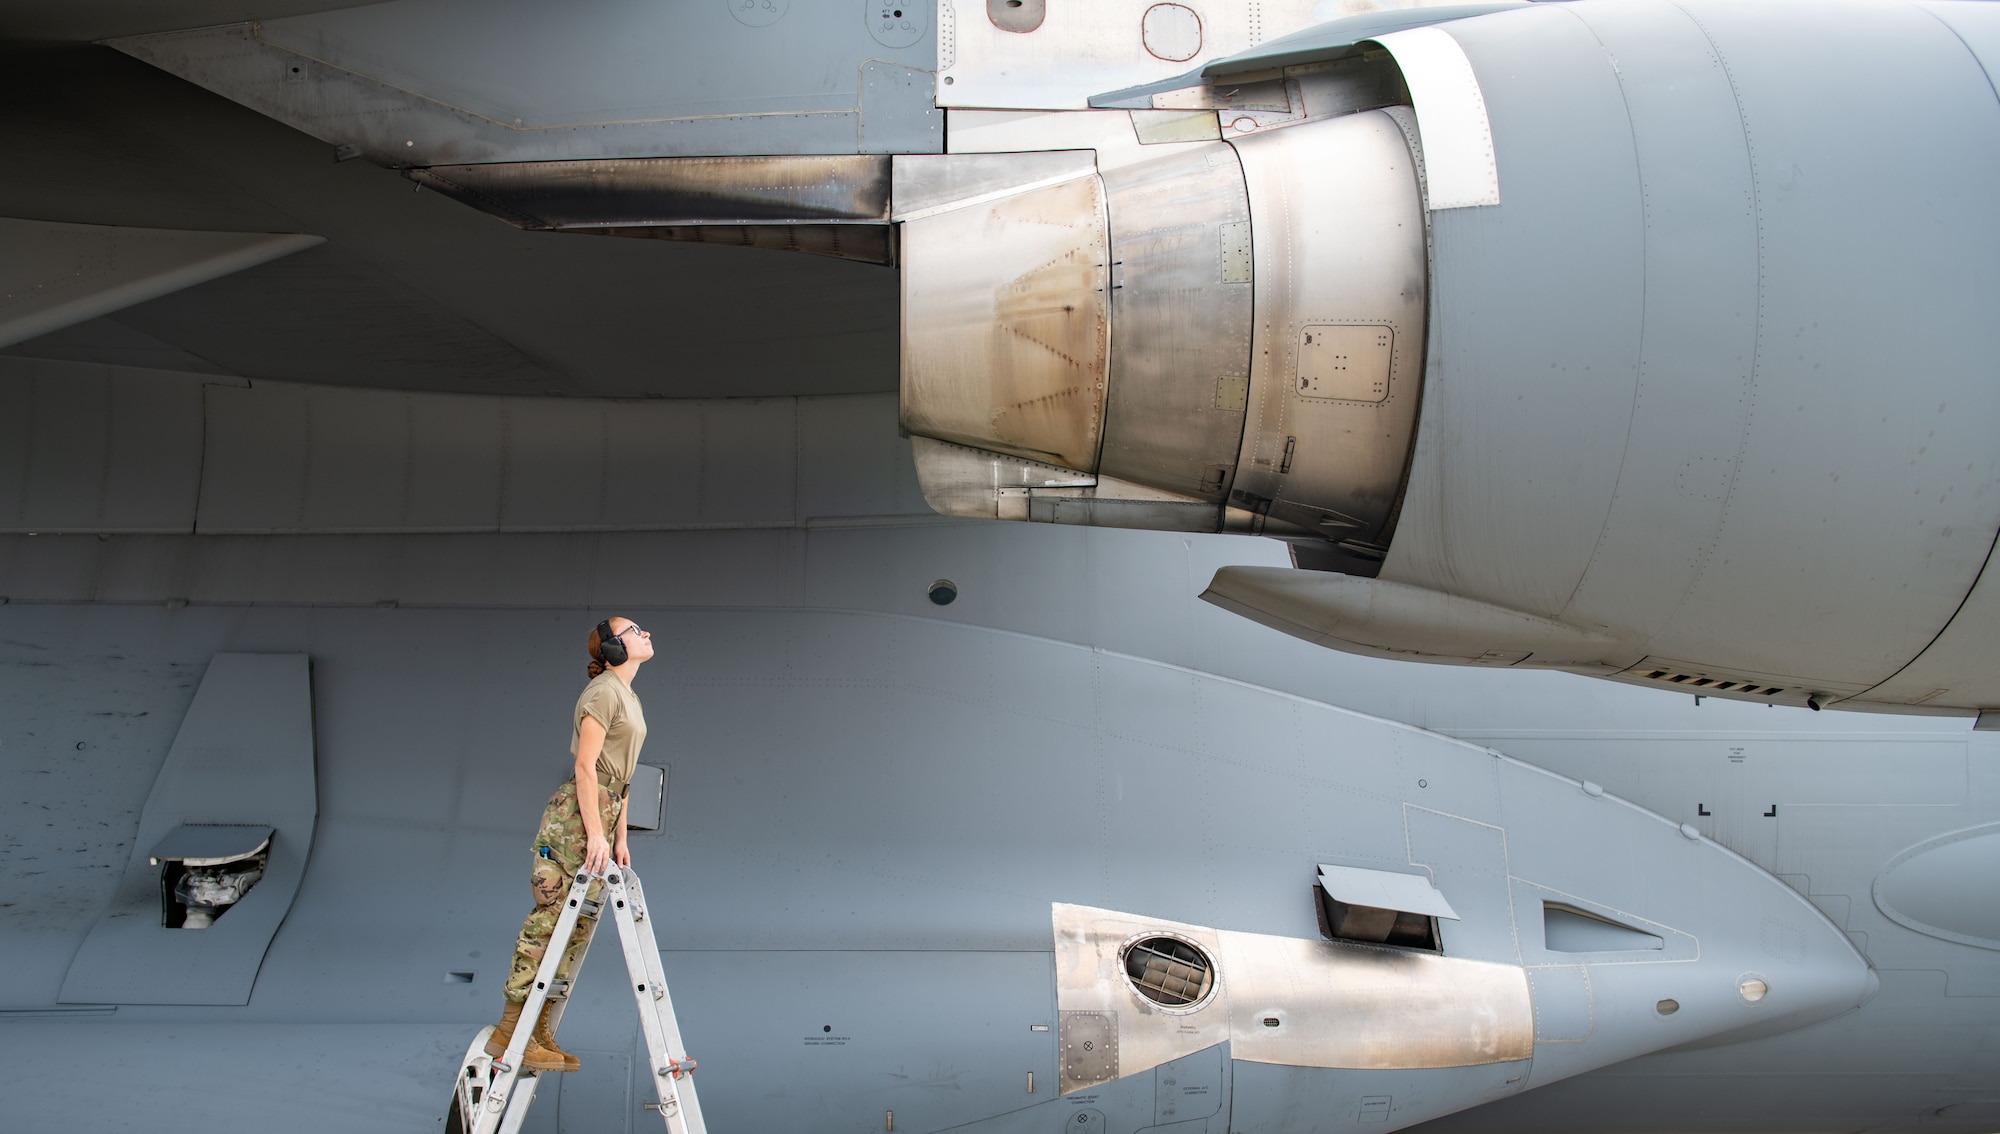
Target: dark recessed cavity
x,y
206,868
1745,688
1340,921
943,592
1018,16
1169,972
1566,929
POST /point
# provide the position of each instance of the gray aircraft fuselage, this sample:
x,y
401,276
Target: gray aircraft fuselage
x,y
1626,338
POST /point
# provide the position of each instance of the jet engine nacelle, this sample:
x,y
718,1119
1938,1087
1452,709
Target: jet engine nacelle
x,y
1630,339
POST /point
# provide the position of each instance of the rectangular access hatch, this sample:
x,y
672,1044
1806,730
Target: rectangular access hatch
x,y
646,800
1345,363
1380,907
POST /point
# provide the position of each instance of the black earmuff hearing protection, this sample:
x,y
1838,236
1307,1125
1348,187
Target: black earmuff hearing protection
x,y
610,646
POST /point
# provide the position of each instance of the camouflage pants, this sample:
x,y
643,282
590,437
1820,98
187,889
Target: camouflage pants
x,y
558,854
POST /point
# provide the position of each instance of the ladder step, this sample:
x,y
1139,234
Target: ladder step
x,y
493,1097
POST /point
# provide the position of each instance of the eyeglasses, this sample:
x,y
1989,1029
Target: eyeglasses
x,y
627,630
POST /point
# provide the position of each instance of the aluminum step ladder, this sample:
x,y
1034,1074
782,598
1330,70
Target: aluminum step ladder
x,y
493,1094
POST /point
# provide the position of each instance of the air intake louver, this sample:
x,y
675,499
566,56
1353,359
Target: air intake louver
x,y
1713,684
1169,971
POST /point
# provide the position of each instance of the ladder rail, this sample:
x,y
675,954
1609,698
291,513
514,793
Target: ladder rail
x,y
587,923
678,1105
517,1109
507,1083
669,1023
508,1092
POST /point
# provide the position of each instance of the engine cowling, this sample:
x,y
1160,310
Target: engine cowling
x,y
1589,342
1095,347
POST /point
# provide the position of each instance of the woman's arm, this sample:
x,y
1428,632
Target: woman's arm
x,y
619,852
590,742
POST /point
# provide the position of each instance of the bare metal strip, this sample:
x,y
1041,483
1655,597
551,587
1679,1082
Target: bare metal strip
x,y
1355,1006
1006,326
1335,1004
1452,124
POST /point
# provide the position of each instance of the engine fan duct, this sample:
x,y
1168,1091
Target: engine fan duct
x,y
1225,338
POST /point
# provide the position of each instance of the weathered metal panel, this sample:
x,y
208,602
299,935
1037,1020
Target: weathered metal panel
x,y
1180,322
1338,239
1005,319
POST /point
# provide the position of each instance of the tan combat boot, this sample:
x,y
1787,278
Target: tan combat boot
x,y
545,1039
535,1057
503,1032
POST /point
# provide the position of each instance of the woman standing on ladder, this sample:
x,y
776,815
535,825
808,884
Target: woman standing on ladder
x,y
606,729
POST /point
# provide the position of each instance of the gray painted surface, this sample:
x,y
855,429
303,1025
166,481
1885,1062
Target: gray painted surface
x,y
849,782
440,82
1926,887
113,449
244,754
871,794
58,275
85,21
1744,294
412,290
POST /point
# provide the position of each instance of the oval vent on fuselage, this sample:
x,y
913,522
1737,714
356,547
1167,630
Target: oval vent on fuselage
x,y
1169,972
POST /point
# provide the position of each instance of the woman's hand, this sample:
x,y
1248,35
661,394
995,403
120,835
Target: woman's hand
x,y
621,854
596,854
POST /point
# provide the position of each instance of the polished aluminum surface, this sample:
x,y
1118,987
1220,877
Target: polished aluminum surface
x,y
977,484
1338,239
1341,1005
1005,324
1335,1004
1116,137
957,480
926,184
631,192
1090,980
1114,503
1180,319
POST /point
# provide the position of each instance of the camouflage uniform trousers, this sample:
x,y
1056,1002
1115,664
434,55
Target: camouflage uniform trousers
x,y
558,855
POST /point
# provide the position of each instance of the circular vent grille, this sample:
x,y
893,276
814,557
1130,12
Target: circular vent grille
x,y
1169,972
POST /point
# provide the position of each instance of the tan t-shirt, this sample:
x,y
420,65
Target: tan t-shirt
x,y
616,707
